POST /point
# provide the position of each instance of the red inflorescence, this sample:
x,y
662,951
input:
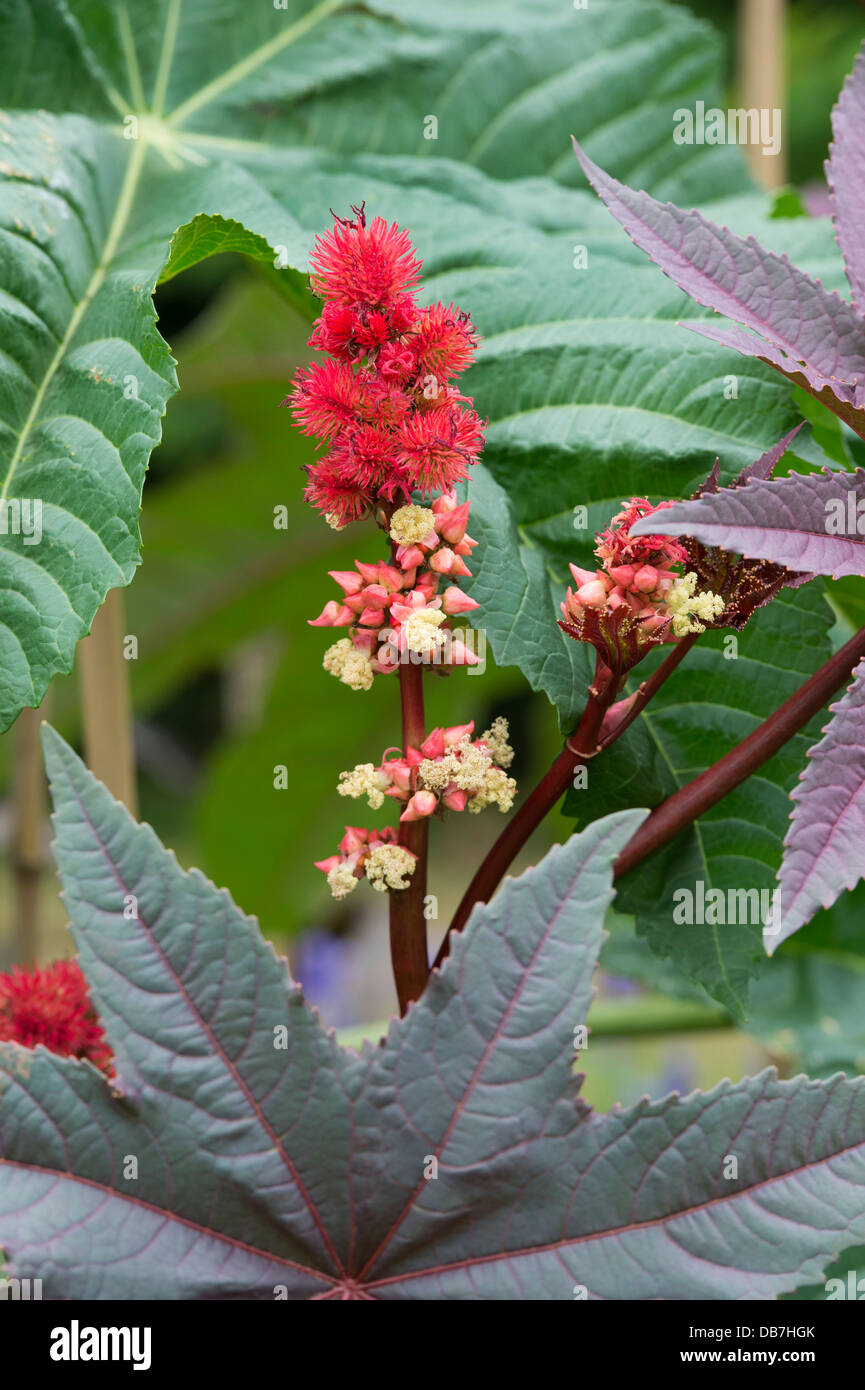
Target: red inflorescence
x,y
51,1006
383,401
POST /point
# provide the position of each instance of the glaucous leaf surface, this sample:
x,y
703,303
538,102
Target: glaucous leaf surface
x,y
270,1162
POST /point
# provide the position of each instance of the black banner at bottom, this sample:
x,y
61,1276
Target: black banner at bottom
x,y
63,1340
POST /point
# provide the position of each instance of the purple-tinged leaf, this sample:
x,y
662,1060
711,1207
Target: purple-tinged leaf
x,y
765,465
813,523
824,851
243,1154
846,401
808,332
845,171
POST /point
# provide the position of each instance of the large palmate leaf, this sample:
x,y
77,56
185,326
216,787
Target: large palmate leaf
x,y
498,84
147,163
812,337
242,1153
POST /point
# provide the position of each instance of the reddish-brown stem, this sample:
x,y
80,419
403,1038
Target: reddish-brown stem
x,y
581,746
408,942
692,801
645,692
686,805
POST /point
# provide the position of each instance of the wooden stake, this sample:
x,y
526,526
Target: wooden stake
x,y
763,81
106,702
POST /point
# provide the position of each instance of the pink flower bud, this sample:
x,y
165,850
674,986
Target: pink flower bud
x,y
333,615
446,561
371,617
451,525
455,800
391,578
376,596
420,805
433,745
442,560
365,642
444,503
581,576
428,584
460,655
354,839
622,574
400,774
646,579
457,732
593,594
369,572
454,601
327,864
348,580
410,556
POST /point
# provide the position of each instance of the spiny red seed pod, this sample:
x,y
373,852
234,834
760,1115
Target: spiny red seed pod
x,y
51,1006
363,264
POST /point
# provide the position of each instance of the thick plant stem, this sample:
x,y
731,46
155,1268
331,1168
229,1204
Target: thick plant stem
x,y
645,692
580,747
692,801
408,939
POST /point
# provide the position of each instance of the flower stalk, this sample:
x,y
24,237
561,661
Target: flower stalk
x,y
408,936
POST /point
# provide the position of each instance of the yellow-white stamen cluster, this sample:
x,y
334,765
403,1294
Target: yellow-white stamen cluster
x,y
412,524
470,767
389,866
365,780
421,631
341,881
352,667
687,607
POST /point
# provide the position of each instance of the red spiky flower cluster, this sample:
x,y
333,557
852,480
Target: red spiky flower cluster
x,y
383,402
51,1006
